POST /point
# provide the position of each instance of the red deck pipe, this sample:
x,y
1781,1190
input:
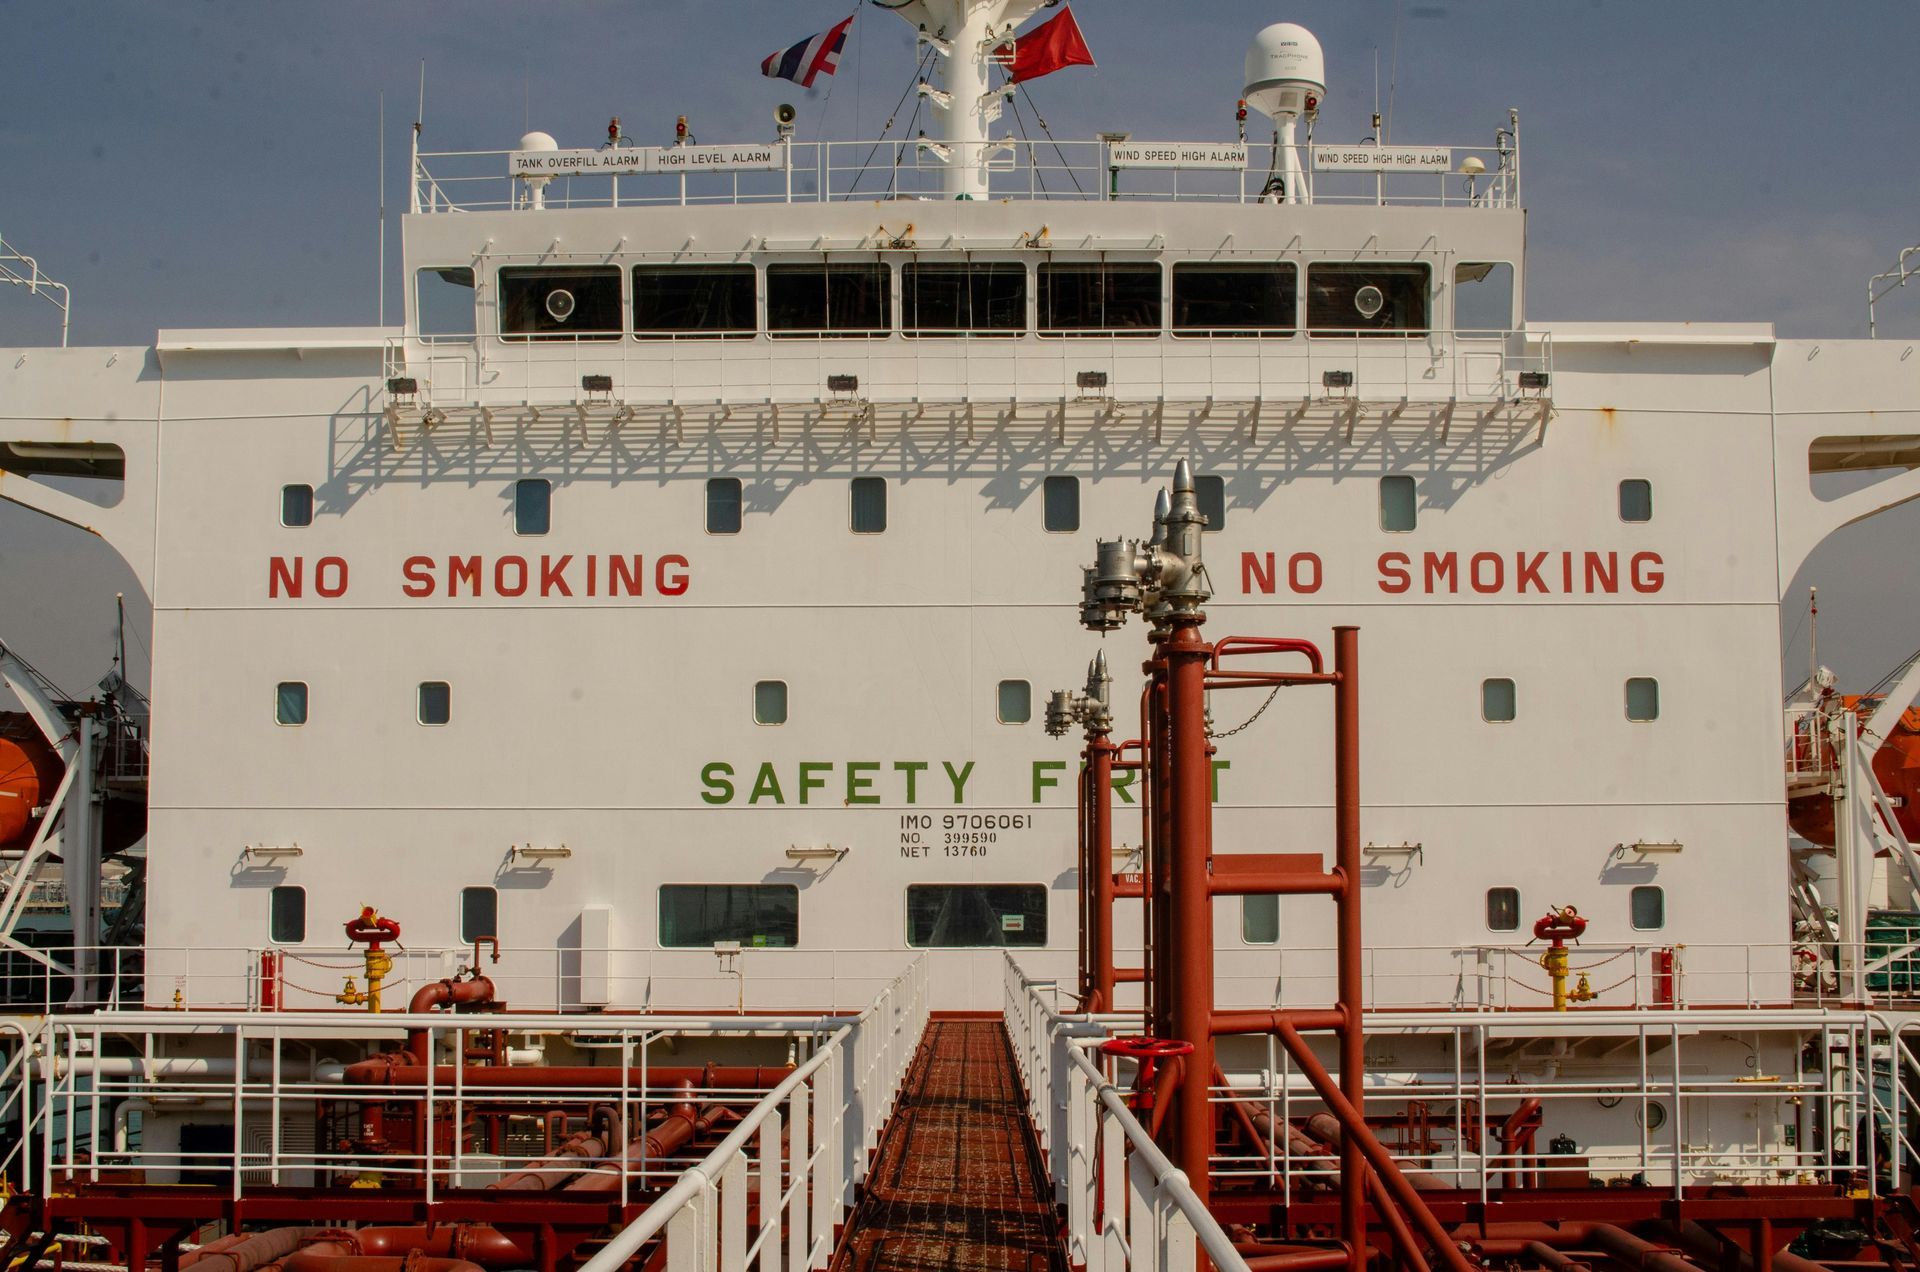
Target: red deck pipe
x,y
1346,834
681,1125
552,1172
257,1250
1100,755
1307,1019
1189,950
1230,646
472,992
473,1243
1551,1259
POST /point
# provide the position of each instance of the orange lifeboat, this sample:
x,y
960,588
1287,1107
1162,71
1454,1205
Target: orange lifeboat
x,y
1897,766
29,775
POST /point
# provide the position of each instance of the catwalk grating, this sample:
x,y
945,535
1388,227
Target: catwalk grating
x,y
958,1182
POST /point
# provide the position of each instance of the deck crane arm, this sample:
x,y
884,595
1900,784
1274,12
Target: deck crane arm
x,y
28,686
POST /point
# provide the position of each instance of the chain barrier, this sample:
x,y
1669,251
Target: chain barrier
x,y
1250,719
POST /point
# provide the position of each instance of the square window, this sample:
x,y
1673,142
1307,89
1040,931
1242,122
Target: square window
x,y
1061,500
443,301
1643,698
976,915
1015,702
436,702
868,508
758,915
479,914
560,302
1399,511
770,702
1211,494
1483,296
1496,700
1260,920
849,300
1647,907
290,702
532,505
1636,499
1112,296
296,506
723,505
1503,909
287,915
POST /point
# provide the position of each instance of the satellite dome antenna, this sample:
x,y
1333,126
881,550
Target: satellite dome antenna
x,y
1286,80
538,184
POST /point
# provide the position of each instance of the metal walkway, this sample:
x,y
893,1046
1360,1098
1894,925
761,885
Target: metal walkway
x,y
958,1183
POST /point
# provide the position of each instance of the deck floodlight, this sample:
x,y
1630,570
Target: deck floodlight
x,y
403,386
1091,379
843,384
597,383
1535,379
1336,379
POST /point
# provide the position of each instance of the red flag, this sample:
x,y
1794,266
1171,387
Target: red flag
x,y
1055,43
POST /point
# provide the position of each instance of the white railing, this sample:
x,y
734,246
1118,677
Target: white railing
x,y
993,376
1127,1205
856,1077
869,171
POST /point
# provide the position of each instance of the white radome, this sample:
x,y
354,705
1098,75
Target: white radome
x,y
1284,66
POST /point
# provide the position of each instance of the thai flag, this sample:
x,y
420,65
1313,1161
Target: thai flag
x,y
819,55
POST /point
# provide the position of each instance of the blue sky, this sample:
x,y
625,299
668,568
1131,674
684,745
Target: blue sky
x,y
206,163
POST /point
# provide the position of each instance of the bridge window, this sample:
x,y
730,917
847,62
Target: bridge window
x,y
846,300
1399,511
1100,297
770,702
290,702
560,302
975,915
1367,300
1503,909
287,915
1497,700
435,702
1260,920
704,300
758,915
296,506
1647,907
985,299
1235,300
1210,492
479,915
723,505
443,302
867,508
1483,297
1014,704
532,505
1060,499
1643,698
1636,499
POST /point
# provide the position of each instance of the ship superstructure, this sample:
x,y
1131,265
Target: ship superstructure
x,y
648,646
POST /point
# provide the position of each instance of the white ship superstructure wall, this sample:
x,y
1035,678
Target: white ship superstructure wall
x,y
600,736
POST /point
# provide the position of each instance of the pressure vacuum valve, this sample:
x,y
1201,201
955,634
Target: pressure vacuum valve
x,y
1061,710
1094,616
1160,577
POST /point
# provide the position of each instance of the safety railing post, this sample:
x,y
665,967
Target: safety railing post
x,y
770,1190
800,1251
1079,1166
1110,1251
733,1214
1143,1219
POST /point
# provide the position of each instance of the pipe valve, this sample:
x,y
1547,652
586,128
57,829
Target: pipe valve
x,y
1160,577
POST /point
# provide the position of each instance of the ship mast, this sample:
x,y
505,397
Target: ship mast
x,y
964,33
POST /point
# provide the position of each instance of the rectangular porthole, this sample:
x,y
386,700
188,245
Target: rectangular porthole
x,y
560,302
1367,300
1014,702
532,506
693,300
1483,297
443,302
1636,499
296,506
1399,511
1647,907
1060,497
434,702
770,702
1260,920
1235,300
1497,700
988,299
1120,298
976,915
1643,699
723,505
837,300
290,702
1503,909
758,915
287,915
1210,493
867,505
479,915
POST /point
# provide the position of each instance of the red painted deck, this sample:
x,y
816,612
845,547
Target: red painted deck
x,y
958,1183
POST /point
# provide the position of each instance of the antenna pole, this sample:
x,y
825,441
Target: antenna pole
x,y
1813,635
382,255
120,633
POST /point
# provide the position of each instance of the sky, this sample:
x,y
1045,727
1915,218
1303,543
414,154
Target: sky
x,y
207,163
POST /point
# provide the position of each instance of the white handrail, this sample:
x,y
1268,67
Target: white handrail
x,y
1128,1206
702,1234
